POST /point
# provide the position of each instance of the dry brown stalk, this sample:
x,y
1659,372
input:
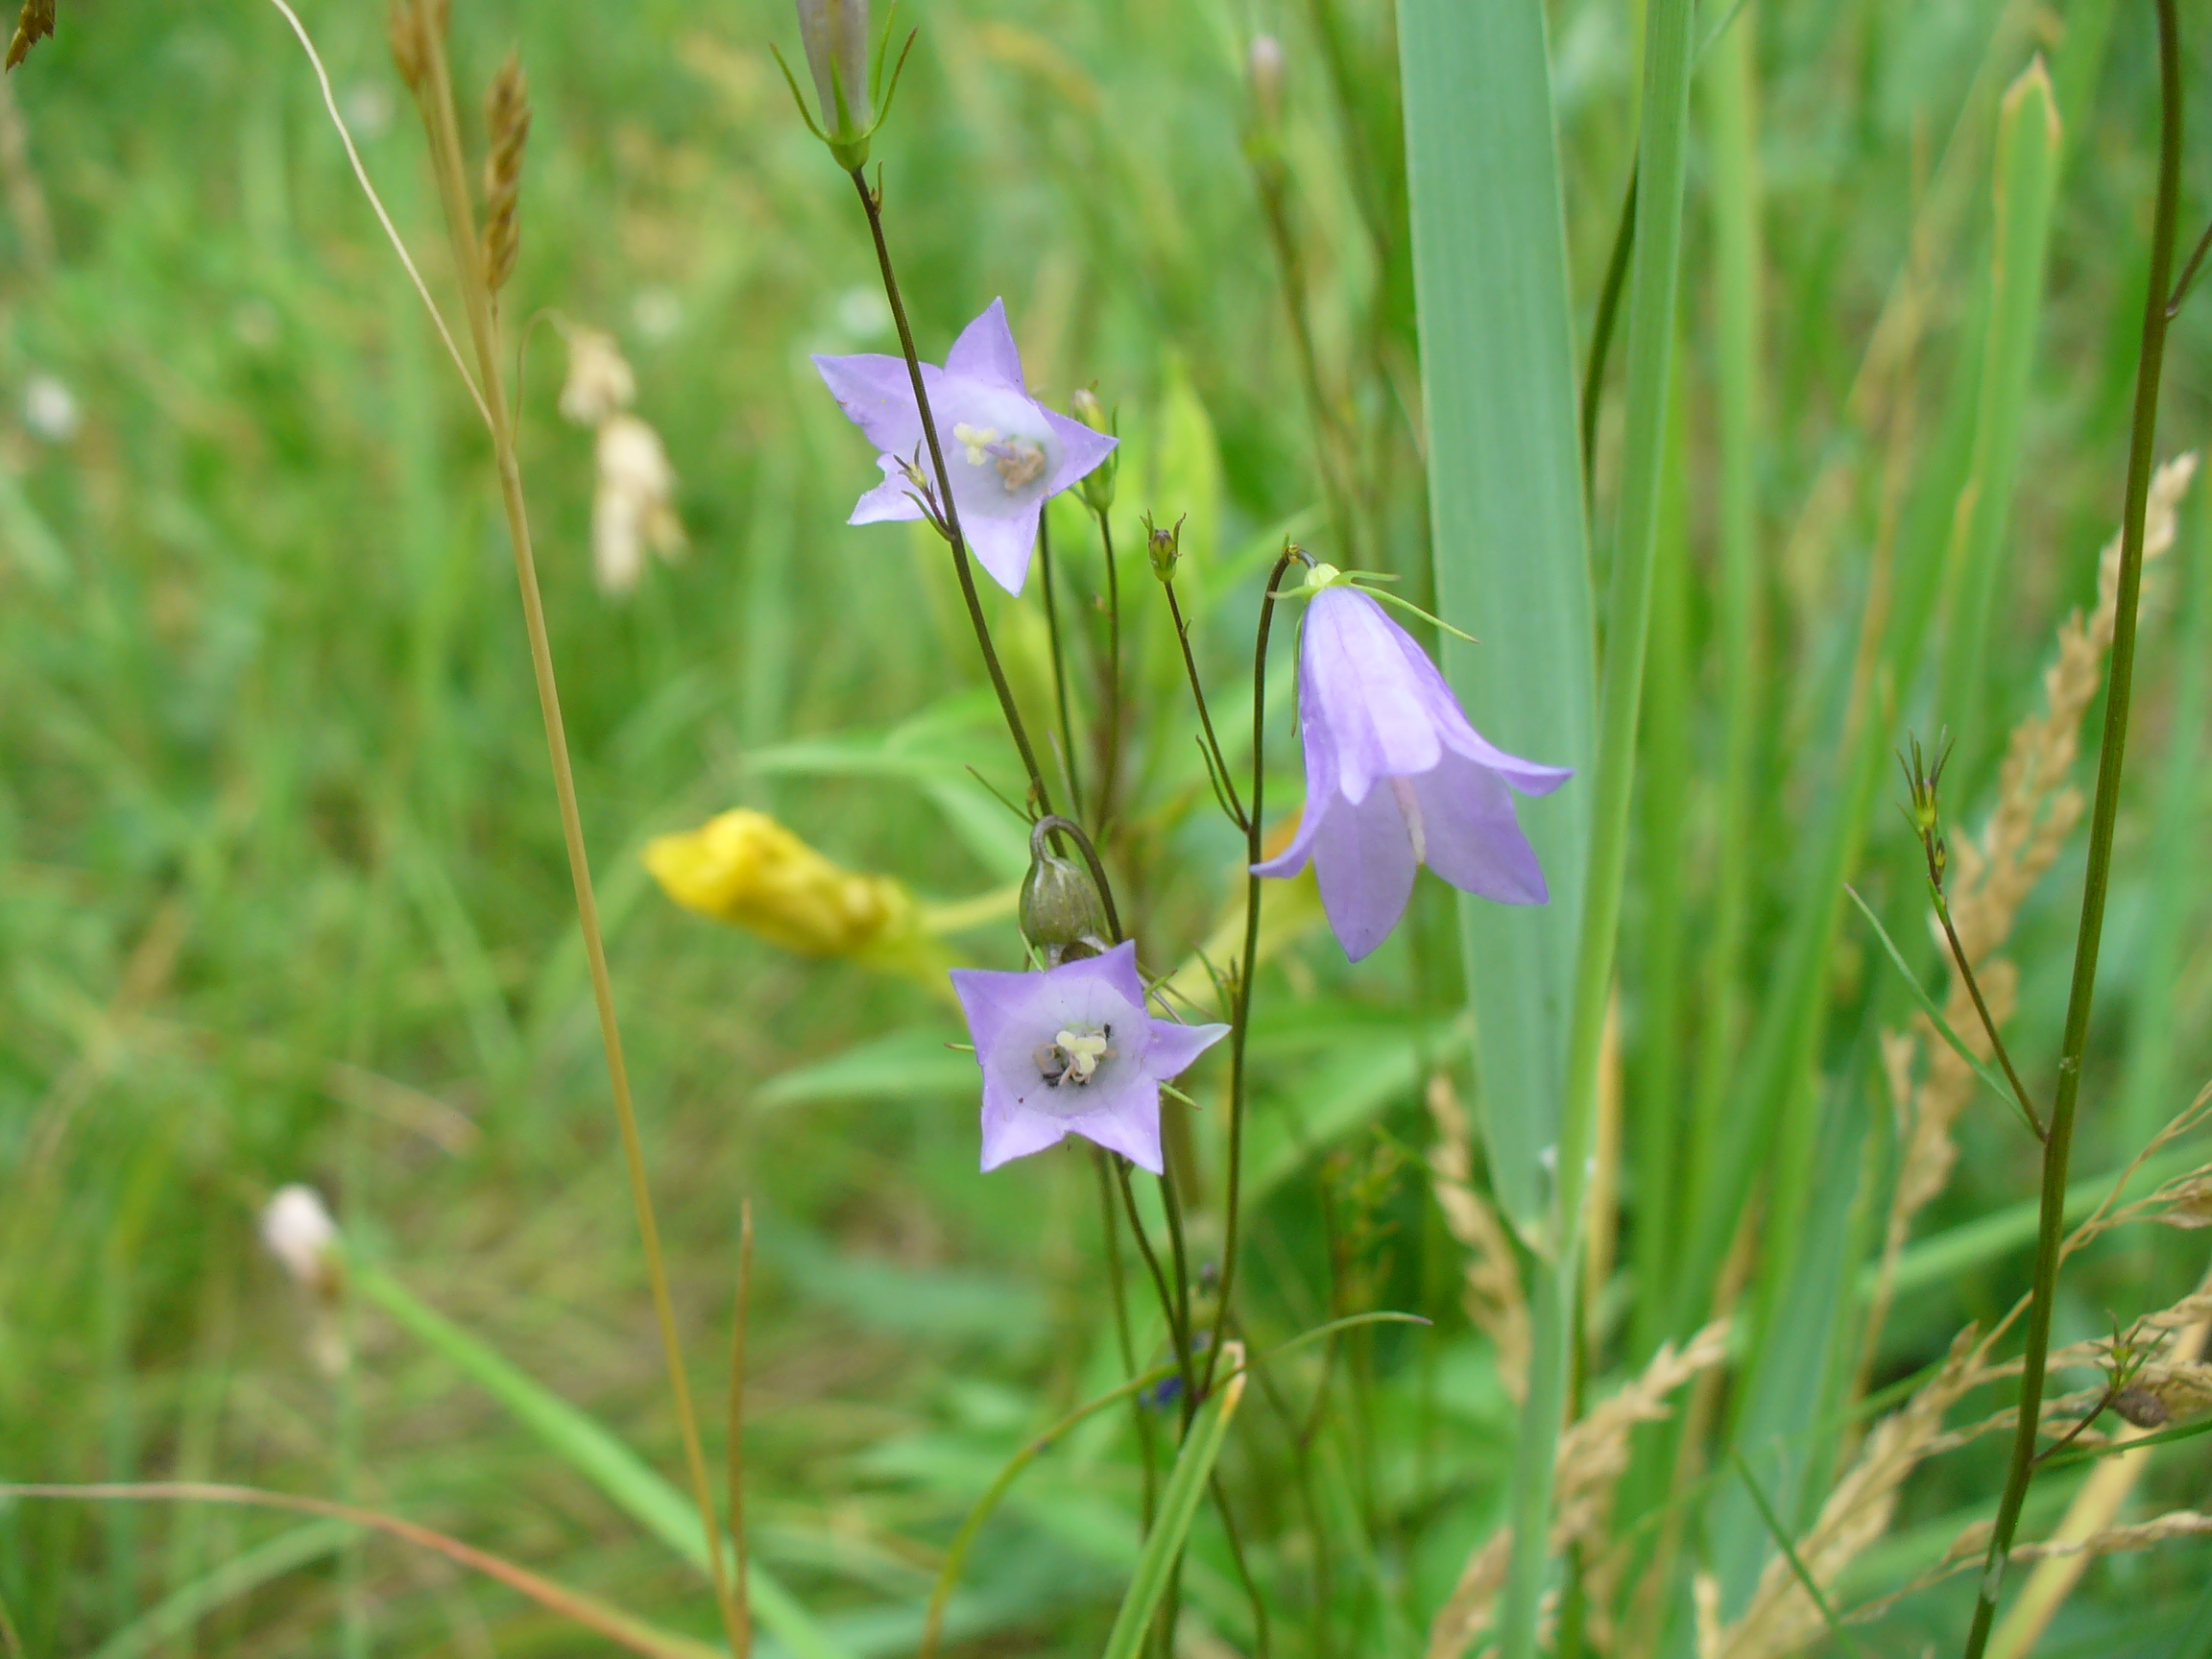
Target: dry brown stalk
x,y
405,30
1993,874
1781,1617
1593,1456
507,121
1493,1296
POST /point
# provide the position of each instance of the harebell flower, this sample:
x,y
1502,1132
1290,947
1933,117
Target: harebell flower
x,y
1395,775
1004,451
1072,1051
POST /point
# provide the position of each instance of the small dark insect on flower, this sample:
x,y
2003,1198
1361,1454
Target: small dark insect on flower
x,y
35,25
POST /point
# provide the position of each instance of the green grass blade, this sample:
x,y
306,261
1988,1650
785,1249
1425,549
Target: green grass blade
x,y
1505,509
1664,153
588,1449
2027,177
1788,1551
176,1615
1186,1490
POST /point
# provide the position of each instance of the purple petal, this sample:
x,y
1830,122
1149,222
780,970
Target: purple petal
x,y
1081,450
889,501
1003,545
990,1000
1131,1127
986,351
1352,675
878,396
1473,837
1116,968
1321,788
1174,1046
1363,858
1011,1131
1452,725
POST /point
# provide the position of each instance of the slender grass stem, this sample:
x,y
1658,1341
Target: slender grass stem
x,y
1262,1644
1059,662
444,125
1240,1022
2112,758
1177,1332
962,565
1233,802
1658,236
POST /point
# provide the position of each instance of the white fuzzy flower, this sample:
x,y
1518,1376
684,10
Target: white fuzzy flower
x,y
300,1233
635,509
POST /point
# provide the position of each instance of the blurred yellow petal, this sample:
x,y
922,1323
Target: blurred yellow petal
x,y
746,869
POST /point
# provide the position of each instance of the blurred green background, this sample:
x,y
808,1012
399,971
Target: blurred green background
x,y
283,898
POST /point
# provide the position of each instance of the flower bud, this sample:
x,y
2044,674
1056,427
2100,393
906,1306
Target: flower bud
x,y
1097,486
835,33
1062,915
746,869
1264,67
1164,547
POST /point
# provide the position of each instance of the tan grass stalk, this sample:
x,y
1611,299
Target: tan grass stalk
x,y
507,121
1592,1458
1493,1296
1992,875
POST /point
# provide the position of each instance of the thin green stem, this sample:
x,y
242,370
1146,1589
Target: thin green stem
x,y
1171,1203
1240,1021
1110,672
1177,1333
1982,1008
2112,758
1262,1644
1236,806
1059,661
1658,237
962,565
444,125
734,1449
1112,1225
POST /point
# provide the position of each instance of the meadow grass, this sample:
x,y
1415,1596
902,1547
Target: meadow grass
x,y
282,895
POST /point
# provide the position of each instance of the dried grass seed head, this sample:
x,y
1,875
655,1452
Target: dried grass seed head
x,y
34,25
507,122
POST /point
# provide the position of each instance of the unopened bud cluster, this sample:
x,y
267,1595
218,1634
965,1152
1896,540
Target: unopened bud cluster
x,y
1062,916
1164,547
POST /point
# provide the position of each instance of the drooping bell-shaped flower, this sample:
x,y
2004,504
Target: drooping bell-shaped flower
x,y
1396,778
1004,451
1072,1051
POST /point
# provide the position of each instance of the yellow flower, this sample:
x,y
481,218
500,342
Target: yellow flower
x,y
745,868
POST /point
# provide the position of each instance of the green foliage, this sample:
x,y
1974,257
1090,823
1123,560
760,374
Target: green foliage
x,y
282,894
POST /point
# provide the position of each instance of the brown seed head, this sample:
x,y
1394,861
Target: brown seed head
x,y
506,119
36,23
407,52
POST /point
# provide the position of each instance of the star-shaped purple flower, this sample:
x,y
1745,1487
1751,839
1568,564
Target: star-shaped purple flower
x,y
1004,451
1072,1051
1396,778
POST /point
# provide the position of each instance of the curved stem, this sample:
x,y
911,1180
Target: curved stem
x,y
1240,1022
1176,1331
2110,758
962,565
1053,823
1988,1023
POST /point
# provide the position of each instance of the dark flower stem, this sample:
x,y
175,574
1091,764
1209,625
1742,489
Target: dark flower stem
x,y
2110,758
961,564
1240,1021
1205,717
1059,661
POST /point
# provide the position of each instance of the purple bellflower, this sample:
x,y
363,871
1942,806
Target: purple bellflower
x,y
1072,1051
1004,451
1396,777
